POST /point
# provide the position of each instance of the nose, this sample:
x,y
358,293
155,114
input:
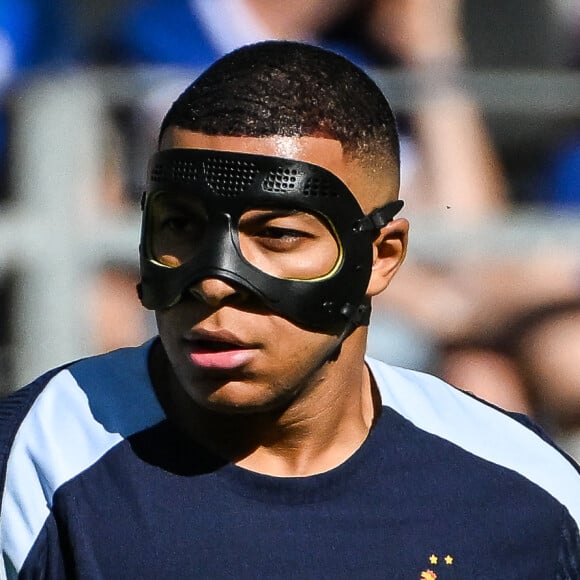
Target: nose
x,y
216,292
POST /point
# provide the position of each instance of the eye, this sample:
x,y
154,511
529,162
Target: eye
x,y
280,239
280,233
287,243
172,214
179,223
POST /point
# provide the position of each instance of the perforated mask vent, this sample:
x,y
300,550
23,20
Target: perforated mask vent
x,y
229,177
177,171
317,187
281,180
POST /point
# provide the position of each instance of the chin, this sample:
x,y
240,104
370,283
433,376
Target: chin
x,y
241,399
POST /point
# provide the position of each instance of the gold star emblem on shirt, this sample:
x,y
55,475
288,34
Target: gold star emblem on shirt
x,y
433,559
448,560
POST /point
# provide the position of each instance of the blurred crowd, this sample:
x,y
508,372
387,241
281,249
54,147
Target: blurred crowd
x,y
503,327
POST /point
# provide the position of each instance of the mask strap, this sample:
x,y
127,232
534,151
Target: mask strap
x,y
359,318
361,315
379,217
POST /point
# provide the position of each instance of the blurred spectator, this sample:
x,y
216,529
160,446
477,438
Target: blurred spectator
x,y
545,343
529,365
458,170
486,371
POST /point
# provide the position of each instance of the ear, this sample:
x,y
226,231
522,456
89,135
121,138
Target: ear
x,y
389,251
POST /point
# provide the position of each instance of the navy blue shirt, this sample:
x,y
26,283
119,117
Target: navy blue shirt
x,y
444,487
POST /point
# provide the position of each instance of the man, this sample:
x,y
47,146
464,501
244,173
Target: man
x,y
252,439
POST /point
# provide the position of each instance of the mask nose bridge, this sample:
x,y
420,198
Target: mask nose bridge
x,y
218,253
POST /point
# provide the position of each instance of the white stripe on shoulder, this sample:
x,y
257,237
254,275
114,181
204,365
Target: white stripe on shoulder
x,y
438,408
81,414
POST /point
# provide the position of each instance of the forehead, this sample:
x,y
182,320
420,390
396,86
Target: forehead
x,y
326,153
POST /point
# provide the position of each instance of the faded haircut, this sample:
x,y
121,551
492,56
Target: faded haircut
x,y
291,89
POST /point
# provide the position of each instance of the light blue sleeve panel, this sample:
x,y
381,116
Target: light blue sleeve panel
x,y
442,410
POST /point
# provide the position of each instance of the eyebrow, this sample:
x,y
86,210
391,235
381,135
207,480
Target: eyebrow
x,y
266,214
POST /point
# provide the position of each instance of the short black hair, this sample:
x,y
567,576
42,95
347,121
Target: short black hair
x,y
291,89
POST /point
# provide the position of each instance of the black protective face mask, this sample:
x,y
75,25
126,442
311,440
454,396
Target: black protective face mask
x,y
288,231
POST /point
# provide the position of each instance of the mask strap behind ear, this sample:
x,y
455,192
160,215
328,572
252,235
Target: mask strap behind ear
x,y
371,222
379,217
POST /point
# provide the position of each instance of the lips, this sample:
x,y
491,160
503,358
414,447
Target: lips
x,y
219,350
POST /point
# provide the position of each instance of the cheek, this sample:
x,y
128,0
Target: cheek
x,y
294,353
171,328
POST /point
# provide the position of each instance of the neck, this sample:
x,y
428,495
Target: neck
x,y
328,423
323,426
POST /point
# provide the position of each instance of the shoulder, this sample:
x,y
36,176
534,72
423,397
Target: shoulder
x,y
58,426
505,439
105,384
110,392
